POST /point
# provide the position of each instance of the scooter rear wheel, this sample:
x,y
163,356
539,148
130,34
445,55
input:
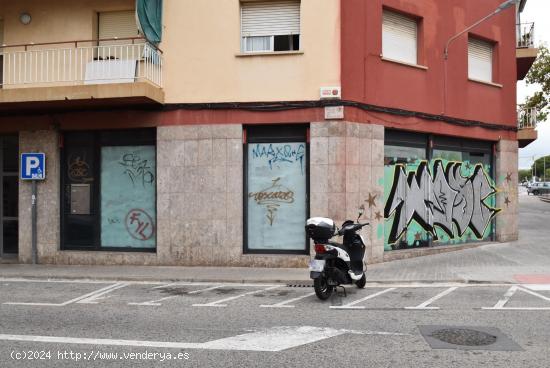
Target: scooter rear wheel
x,y
361,282
322,289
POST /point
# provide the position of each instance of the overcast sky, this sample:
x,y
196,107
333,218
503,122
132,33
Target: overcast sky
x,y
535,11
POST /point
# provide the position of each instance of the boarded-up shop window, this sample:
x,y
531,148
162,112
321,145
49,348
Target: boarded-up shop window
x,y
276,195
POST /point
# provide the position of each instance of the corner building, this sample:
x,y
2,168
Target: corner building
x,y
213,138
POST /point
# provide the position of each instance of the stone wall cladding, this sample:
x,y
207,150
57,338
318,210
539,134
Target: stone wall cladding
x,y
200,199
45,141
346,168
507,196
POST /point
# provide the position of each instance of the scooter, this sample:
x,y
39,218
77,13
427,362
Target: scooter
x,y
336,264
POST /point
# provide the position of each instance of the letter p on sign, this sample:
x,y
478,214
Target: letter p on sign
x,y
33,166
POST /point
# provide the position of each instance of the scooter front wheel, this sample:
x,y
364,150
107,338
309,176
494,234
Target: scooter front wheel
x,y
322,289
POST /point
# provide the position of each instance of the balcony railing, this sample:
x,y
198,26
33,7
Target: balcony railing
x,y
525,35
527,117
124,60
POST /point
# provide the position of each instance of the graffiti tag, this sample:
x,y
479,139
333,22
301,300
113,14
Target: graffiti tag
x,y
79,170
272,198
443,198
280,153
140,225
138,170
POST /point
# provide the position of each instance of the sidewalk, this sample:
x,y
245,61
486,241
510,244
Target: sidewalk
x,y
524,260
491,263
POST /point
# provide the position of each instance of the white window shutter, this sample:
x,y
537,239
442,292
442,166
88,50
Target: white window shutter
x,y
480,60
399,37
270,18
121,24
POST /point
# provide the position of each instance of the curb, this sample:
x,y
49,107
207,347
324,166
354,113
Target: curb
x,y
289,282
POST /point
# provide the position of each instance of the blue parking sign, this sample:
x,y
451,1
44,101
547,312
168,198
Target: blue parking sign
x,y
33,166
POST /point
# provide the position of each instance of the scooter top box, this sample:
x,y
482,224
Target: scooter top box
x,y
320,229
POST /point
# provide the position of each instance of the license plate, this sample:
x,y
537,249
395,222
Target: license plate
x,y
316,265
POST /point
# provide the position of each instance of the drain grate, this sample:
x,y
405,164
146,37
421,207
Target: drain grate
x,y
467,338
464,336
299,285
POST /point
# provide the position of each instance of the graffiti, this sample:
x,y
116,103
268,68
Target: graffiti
x,y
280,153
371,200
79,170
444,199
272,198
138,170
139,224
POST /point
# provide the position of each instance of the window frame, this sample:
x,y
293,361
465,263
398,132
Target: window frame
x,y
102,138
419,55
493,58
278,133
243,38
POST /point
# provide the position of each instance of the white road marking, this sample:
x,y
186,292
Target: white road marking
x,y
268,340
157,302
501,303
352,304
100,291
430,301
94,299
286,303
506,297
218,302
537,287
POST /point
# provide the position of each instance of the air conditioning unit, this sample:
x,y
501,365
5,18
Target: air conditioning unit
x,y
331,93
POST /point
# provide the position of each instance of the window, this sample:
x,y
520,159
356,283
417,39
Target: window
x,y
399,37
480,60
276,182
270,26
109,190
120,24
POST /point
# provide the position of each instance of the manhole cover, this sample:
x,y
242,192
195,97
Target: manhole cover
x,y
464,336
468,338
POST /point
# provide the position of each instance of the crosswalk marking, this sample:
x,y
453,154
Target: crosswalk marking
x,y
218,302
426,304
352,304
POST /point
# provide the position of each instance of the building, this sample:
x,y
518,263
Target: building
x,y
212,146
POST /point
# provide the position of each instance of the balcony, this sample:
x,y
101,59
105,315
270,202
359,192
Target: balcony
x,y
527,122
526,53
77,74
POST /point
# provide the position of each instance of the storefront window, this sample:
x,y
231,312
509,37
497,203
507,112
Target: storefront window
x,y
439,196
109,196
276,195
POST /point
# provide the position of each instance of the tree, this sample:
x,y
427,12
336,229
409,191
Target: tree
x,y
524,175
539,74
539,165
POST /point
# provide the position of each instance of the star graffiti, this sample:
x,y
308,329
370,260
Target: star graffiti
x,y
378,216
507,201
418,236
508,177
371,200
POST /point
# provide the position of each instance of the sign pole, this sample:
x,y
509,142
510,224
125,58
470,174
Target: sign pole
x,y
34,199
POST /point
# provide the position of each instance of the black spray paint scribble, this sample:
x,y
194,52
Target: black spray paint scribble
x,y
138,170
440,199
280,153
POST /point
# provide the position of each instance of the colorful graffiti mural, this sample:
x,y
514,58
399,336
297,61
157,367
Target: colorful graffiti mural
x,y
439,201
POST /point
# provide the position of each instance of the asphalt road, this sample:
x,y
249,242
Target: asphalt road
x,y
70,324
118,324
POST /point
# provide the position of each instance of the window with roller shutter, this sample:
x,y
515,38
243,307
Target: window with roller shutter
x,y
270,26
399,37
480,60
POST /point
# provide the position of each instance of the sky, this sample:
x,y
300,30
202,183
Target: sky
x,y
535,11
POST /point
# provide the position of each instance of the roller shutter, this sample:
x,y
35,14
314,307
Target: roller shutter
x,y
399,37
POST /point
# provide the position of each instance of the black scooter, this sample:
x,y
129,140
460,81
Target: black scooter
x,y
336,264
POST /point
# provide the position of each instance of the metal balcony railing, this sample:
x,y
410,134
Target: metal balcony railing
x,y
525,33
527,117
116,60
